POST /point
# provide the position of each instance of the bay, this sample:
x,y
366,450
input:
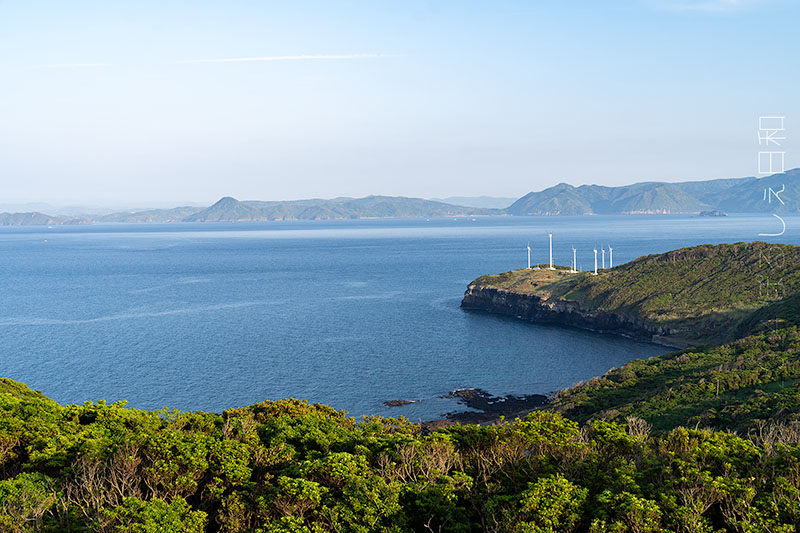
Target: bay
x,y
346,313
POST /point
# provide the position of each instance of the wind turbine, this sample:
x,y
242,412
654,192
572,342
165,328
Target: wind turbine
x,y
551,251
603,253
574,261
610,257
529,255
595,262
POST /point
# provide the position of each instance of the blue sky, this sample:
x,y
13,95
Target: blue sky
x,y
119,102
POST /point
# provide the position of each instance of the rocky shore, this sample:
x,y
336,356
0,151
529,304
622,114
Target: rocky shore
x,y
564,312
486,408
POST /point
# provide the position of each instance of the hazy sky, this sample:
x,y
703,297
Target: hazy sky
x,y
121,101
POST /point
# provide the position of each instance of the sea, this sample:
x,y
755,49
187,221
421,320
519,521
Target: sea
x,y
209,316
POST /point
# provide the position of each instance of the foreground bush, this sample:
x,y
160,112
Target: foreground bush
x,y
292,467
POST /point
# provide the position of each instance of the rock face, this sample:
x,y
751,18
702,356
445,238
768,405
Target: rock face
x,y
563,312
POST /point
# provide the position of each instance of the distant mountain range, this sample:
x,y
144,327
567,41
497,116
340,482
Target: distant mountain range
x,y
736,195
232,210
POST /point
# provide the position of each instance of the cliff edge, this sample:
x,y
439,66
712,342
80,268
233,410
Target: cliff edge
x,y
706,294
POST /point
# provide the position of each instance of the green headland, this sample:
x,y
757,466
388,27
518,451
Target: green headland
x,y
699,295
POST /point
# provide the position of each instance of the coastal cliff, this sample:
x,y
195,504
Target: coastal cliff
x,y
708,294
565,313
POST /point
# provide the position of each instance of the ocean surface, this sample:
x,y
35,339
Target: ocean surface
x,y
347,313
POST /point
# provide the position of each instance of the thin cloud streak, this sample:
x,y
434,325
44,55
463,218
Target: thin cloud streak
x,y
289,58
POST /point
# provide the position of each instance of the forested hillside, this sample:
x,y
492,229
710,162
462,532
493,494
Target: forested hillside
x,y
740,386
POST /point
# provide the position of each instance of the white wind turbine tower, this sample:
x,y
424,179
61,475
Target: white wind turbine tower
x,y
551,251
595,262
603,254
574,261
610,257
529,255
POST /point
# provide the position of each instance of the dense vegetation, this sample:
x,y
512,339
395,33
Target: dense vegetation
x,y
706,294
740,386
292,467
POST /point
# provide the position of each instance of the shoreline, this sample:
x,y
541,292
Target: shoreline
x,y
560,312
486,409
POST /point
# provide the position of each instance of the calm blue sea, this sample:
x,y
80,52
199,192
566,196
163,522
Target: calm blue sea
x,y
348,313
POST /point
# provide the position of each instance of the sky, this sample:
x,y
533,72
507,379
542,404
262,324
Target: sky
x,y
115,102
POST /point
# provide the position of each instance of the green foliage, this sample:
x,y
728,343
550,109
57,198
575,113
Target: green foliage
x,y
621,465
19,390
550,505
157,516
626,512
25,500
290,466
734,386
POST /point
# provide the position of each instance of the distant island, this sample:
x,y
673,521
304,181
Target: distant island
x,y
713,213
735,195
229,209
698,295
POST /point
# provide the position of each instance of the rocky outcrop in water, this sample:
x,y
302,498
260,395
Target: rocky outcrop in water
x,y
563,312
